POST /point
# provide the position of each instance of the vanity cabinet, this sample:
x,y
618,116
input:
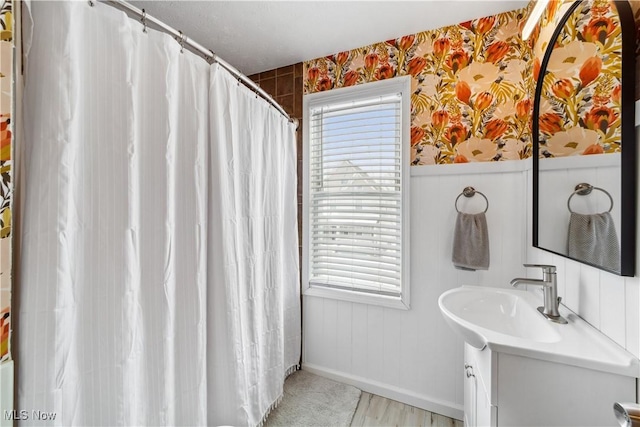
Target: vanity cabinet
x,y
504,389
478,409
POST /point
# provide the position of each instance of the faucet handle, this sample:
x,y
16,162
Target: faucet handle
x,y
545,267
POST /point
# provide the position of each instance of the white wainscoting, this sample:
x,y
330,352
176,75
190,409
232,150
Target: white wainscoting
x,y
558,178
608,302
413,356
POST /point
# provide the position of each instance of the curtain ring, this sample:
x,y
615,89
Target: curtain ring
x,y
181,41
144,21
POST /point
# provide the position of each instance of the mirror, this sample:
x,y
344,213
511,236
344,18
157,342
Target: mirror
x,y
584,176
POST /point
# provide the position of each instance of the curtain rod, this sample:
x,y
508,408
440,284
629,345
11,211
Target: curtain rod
x,y
207,54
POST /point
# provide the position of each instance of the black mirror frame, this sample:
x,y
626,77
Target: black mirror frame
x,y
627,133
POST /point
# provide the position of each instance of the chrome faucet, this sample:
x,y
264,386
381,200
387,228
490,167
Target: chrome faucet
x,y
550,288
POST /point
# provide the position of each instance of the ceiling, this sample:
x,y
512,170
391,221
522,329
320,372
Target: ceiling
x,y
257,36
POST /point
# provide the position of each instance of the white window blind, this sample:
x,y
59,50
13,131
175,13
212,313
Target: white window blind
x,y
355,194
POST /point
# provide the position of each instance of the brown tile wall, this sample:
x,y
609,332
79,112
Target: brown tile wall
x,y
285,86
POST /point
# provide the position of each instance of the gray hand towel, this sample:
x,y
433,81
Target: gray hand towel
x,y
593,239
471,242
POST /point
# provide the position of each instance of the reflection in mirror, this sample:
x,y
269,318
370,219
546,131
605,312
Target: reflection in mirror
x,y
582,119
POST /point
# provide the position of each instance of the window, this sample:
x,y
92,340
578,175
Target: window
x,y
356,174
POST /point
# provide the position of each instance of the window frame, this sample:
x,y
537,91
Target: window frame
x,y
400,85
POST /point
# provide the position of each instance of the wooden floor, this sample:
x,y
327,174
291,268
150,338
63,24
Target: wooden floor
x,y
374,410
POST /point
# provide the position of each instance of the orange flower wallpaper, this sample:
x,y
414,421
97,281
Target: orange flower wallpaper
x,y
470,84
635,9
6,100
580,102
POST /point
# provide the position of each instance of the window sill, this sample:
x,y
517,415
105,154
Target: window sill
x,y
359,297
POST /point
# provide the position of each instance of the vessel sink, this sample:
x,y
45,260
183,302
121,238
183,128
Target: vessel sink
x,y
478,313
507,321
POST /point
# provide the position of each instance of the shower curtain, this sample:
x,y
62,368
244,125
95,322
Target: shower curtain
x,y
159,272
254,258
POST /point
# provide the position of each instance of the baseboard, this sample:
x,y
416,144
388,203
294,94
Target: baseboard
x,y
449,409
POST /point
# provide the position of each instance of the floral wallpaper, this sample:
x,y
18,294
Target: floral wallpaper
x,y
635,8
6,69
470,84
580,103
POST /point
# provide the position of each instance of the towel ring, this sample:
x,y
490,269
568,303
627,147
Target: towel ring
x,y
470,192
584,189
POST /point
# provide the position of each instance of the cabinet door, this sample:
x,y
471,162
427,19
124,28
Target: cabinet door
x,y
478,410
470,397
542,393
487,414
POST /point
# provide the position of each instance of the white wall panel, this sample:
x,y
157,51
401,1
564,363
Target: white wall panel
x,y
632,318
597,297
588,305
343,336
411,340
561,273
392,341
359,335
557,182
572,281
608,302
375,343
612,303
413,355
312,327
330,332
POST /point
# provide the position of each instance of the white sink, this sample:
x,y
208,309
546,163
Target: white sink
x,y
507,320
474,312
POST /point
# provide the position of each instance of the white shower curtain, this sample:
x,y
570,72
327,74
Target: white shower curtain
x,y
159,244
253,252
